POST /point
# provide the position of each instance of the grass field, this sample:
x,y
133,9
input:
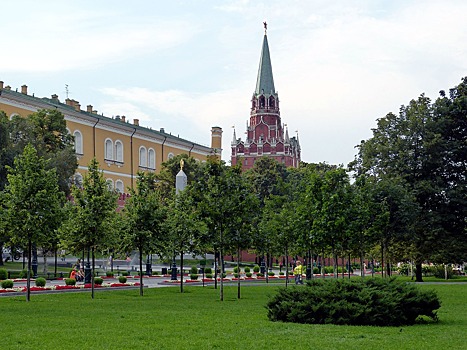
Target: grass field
x,y
196,319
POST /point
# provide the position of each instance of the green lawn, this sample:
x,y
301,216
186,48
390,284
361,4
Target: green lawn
x,y
166,319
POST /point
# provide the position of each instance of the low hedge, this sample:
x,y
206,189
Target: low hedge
x,y
371,302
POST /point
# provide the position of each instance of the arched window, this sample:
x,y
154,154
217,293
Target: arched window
x,y
262,102
119,151
170,156
151,159
109,152
78,142
272,102
119,186
143,157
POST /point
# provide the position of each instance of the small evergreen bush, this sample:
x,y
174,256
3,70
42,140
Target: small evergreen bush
x,y
236,275
122,279
24,273
270,273
125,273
194,270
3,274
194,276
70,281
109,274
209,275
237,270
281,273
208,270
248,274
259,274
7,284
256,269
247,269
372,302
98,281
40,282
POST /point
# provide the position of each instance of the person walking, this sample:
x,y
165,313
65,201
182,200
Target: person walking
x,y
298,271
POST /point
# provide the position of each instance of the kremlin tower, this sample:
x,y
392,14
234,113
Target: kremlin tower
x,y
265,133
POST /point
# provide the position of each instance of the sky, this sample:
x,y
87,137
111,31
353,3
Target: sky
x,y
186,66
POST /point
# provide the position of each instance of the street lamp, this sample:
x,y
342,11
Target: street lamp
x,y
180,184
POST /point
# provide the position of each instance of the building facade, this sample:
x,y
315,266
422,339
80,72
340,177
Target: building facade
x,y
266,135
122,148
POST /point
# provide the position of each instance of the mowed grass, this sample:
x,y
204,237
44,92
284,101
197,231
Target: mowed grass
x,y
165,319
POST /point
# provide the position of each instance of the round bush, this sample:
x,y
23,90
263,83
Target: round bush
x,y
23,273
259,274
98,281
237,270
247,269
236,275
7,284
270,273
208,270
40,282
256,269
122,279
194,276
248,274
109,274
193,270
125,273
70,281
209,275
3,274
281,273
375,302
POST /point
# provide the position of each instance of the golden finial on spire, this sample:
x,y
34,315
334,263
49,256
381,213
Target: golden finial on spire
x,y
182,163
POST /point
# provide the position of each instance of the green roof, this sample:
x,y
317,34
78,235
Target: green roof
x,y
265,80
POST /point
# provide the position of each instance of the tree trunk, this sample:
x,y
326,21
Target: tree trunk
x,y
92,272
181,271
28,279
141,271
418,272
286,267
221,258
44,257
238,272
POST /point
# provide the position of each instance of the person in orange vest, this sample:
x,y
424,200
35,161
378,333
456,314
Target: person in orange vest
x,y
73,274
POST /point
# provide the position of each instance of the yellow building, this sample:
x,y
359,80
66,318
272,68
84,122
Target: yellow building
x,y
122,148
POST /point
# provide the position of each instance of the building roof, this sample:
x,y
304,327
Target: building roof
x,y
265,80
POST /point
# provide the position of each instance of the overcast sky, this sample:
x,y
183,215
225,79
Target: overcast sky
x,y
189,65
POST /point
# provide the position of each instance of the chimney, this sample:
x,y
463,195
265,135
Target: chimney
x,y
55,98
8,87
76,105
162,130
24,89
136,122
69,102
123,118
89,108
1,84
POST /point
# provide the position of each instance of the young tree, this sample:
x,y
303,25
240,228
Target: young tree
x,y
33,203
143,215
90,216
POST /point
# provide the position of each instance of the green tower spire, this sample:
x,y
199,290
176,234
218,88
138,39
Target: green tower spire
x,y
265,80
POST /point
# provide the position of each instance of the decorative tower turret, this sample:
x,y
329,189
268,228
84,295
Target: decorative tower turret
x,y
265,131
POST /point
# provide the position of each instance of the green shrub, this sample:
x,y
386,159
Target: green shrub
x,y
316,270
248,274
270,273
70,281
194,270
40,282
237,269
194,276
209,275
259,274
98,281
247,269
109,274
156,273
7,284
125,273
122,279
3,274
281,273
375,302
236,275
23,273
208,270
256,269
